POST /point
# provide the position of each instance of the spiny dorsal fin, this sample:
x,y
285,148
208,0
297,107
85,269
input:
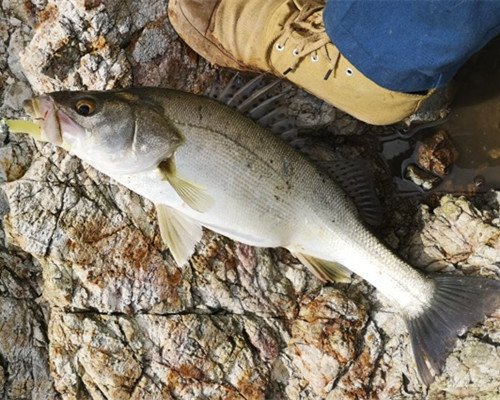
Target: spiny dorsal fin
x,y
252,93
263,108
229,90
257,100
192,194
179,232
327,271
258,96
275,115
356,178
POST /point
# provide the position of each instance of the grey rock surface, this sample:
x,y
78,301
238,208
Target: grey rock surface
x,y
93,305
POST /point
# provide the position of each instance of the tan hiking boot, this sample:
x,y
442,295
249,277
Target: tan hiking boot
x,y
286,38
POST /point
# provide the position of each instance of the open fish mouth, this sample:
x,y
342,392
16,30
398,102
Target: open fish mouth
x,y
43,110
56,126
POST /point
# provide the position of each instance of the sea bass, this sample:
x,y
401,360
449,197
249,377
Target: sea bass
x,y
205,165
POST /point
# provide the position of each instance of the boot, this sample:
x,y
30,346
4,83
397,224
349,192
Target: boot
x,y
287,38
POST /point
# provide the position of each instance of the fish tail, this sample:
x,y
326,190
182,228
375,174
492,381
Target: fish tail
x,y
458,303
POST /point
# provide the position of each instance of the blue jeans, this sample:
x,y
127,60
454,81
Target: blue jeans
x,y
411,46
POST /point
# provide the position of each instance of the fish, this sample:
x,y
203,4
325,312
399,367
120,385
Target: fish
x,y
206,165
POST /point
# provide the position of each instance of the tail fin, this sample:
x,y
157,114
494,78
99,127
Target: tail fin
x,y
458,303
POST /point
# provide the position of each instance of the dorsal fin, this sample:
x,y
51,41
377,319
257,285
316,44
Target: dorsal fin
x,y
356,178
260,95
258,100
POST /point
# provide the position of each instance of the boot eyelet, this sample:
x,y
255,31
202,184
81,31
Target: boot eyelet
x,y
295,52
280,47
349,72
315,58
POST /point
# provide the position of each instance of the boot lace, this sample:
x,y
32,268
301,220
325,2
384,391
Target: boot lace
x,y
307,28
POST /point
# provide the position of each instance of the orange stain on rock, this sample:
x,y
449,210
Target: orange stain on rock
x,y
48,14
99,44
250,387
189,371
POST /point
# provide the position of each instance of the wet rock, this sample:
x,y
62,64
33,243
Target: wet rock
x,y
494,154
437,153
421,178
437,106
114,317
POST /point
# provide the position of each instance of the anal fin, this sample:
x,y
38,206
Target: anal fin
x,y
179,232
327,271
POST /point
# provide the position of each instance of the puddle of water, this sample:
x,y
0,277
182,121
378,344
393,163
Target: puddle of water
x,y
473,125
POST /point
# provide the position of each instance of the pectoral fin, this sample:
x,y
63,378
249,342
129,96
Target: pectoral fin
x,y
327,271
179,233
192,194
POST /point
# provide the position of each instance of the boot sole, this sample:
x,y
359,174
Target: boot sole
x,y
199,42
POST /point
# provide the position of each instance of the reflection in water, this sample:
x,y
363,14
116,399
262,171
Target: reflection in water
x,y
473,125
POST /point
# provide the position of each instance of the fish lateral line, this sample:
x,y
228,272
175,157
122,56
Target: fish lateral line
x,y
269,163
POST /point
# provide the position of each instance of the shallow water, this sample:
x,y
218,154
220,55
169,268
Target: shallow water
x,y
473,125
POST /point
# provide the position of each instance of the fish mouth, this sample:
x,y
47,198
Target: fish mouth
x,y
44,112
55,125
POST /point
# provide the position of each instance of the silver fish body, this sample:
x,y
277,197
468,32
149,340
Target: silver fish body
x,y
269,195
262,193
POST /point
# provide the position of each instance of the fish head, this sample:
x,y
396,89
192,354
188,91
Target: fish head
x,y
118,132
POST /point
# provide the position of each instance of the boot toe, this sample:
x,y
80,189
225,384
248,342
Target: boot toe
x,y
197,12
218,30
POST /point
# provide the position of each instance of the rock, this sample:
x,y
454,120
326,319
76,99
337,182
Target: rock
x,y
23,348
424,179
93,305
24,359
435,107
156,356
494,154
470,361
74,47
437,153
455,233
15,94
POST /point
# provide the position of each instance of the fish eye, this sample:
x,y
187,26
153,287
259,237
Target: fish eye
x,y
85,107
